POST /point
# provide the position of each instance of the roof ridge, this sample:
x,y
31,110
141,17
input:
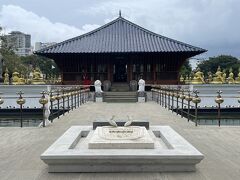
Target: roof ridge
x,y
161,36
82,35
171,43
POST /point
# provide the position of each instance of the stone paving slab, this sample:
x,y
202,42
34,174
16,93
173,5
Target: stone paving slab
x,y
20,149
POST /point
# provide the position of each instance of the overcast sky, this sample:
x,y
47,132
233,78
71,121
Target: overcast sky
x,y
210,24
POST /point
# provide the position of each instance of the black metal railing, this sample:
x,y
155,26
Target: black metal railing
x,y
186,103
51,105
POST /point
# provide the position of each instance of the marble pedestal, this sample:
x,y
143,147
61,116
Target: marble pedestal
x,y
171,152
101,122
133,137
99,99
141,99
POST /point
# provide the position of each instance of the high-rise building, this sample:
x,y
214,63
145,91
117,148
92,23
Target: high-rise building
x,y
20,42
41,45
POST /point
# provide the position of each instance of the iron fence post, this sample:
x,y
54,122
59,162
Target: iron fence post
x,y
196,100
78,97
88,94
219,100
58,97
52,99
71,100
63,100
68,99
83,96
160,97
43,101
152,94
196,115
168,98
1,100
165,98
188,98
172,99
182,97
20,102
75,98
177,97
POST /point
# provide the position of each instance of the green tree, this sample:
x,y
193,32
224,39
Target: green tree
x,y
5,47
11,60
25,63
13,63
186,68
224,61
45,64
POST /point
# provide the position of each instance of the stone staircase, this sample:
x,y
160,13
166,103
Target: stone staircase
x,y
119,96
120,93
120,87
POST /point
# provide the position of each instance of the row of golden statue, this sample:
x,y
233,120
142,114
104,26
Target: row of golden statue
x,y
35,78
220,77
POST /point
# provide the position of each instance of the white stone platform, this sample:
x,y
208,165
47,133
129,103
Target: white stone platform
x,y
70,153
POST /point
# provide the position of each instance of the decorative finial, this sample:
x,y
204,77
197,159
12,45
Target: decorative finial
x,y
196,92
120,14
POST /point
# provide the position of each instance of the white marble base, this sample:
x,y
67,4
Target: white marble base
x,y
99,99
171,152
121,138
141,99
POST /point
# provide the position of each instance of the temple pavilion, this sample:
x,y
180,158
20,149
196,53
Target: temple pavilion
x,y
120,51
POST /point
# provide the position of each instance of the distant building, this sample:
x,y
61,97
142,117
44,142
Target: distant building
x,y
20,42
41,45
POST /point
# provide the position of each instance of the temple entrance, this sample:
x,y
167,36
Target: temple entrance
x,y
120,72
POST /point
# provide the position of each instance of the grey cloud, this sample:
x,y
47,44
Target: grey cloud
x,y
42,29
210,24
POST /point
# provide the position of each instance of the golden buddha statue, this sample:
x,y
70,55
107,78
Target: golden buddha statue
x,y
181,79
6,77
198,77
21,79
55,79
210,78
231,77
224,75
15,77
52,79
186,81
218,77
237,80
190,78
37,77
59,80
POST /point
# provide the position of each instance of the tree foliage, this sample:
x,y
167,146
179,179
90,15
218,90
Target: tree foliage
x,y
186,68
24,64
224,61
46,65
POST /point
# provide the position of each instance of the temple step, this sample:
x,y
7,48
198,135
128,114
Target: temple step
x,y
120,87
120,97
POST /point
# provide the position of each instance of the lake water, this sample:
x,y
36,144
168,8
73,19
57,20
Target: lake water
x,y
15,121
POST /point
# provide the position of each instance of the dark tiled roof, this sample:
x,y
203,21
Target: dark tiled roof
x,y
120,35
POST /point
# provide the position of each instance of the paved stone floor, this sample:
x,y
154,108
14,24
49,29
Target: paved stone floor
x,y
20,149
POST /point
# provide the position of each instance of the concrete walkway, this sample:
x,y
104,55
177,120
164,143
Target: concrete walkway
x,y
20,149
